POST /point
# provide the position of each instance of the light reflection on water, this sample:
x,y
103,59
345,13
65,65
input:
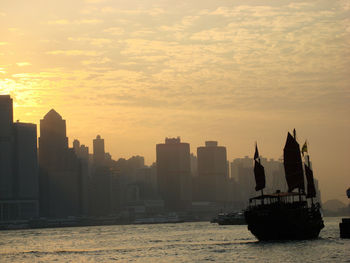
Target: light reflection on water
x,y
186,242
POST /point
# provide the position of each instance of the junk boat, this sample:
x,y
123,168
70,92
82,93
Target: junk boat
x,y
290,215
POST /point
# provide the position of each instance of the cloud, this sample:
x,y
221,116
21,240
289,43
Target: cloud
x,y
97,60
66,22
99,42
88,53
115,31
95,1
23,64
151,12
59,22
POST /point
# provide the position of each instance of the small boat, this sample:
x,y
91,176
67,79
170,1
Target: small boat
x,y
290,215
233,218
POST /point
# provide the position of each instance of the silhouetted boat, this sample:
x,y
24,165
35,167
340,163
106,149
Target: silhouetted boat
x,y
279,216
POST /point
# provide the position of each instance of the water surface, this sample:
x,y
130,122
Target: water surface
x,y
185,242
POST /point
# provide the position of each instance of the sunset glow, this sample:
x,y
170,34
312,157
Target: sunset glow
x,y
232,71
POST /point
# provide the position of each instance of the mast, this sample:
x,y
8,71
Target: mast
x,y
295,138
293,164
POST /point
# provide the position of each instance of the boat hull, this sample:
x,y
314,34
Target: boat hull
x,y
280,223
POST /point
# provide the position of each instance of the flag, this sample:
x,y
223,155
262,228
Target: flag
x,y
256,154
304,148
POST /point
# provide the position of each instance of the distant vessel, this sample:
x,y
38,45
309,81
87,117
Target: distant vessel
x,y
233,218
285,216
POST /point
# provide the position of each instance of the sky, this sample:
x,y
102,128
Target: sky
x,y
136,72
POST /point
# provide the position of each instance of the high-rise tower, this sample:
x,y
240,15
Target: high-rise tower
x,y
6,147
174,174
18,165
99,150
60,176
212,172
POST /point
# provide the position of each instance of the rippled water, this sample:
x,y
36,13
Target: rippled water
x,y
186,242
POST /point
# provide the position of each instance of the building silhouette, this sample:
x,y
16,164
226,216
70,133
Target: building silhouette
x,y
18,166
100,182
82,152
99,154
60,170
6,147
212,172
174,174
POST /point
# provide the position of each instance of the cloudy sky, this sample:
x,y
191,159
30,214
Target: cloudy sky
x,y
233,71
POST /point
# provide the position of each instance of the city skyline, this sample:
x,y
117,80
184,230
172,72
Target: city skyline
x,y
141,71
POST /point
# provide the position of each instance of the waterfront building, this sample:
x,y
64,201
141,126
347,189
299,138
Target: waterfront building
x,y
99,154
174,174
18,166
82,152
100,182
212,172
242,171
6,147
60,170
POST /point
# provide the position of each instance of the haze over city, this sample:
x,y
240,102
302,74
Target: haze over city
x,y
232,71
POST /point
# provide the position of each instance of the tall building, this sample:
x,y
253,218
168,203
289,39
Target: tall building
x,y
18,166
212,172
174,174
26,161
242,171
60,175
6,147
99,150
100,181
82,152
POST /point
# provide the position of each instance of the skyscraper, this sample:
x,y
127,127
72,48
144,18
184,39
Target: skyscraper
x,y
100,186
6,147
60,176
174,174
26,161
18,166
212,172
82,152
99,150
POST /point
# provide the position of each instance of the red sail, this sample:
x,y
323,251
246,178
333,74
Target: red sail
x,y
293,165
311,191
259,173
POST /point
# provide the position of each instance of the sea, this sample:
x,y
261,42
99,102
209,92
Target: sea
x,y
181,242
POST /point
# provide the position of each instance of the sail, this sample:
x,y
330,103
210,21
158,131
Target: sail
x,y
293,165
311,191
259,173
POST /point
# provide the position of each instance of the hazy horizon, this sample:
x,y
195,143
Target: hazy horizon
x,y
236,72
